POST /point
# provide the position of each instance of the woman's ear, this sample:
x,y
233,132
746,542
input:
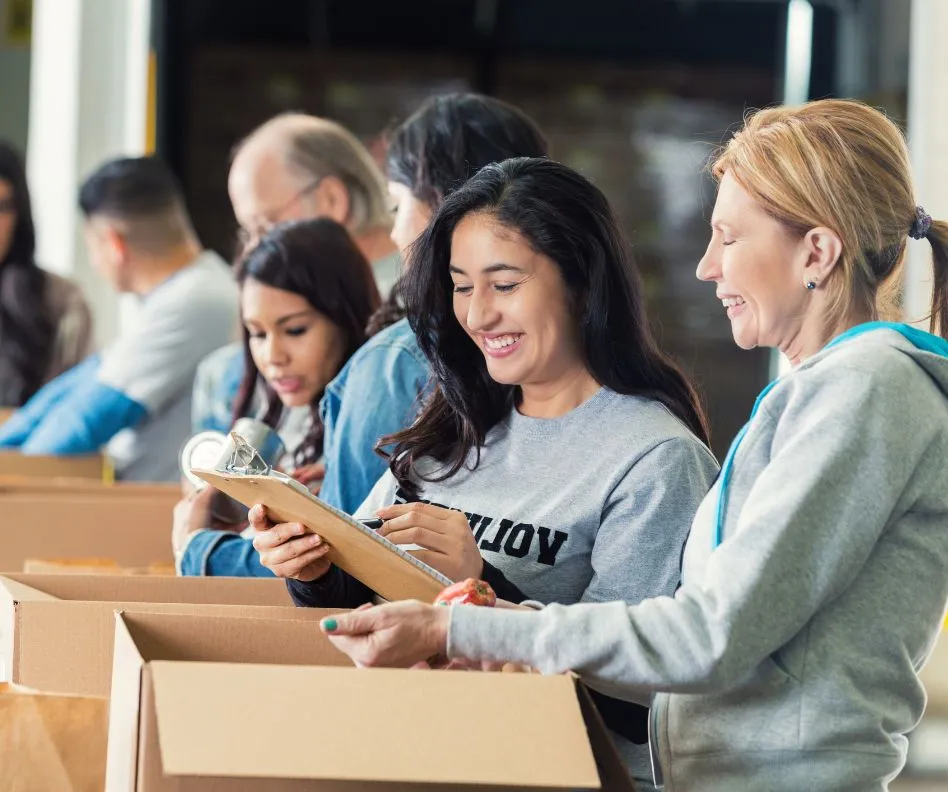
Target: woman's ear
x,y
824,250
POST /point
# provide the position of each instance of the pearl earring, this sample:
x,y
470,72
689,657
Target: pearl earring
x,y
810,285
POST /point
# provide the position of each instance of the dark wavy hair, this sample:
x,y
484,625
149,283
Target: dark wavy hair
x,y
318,260
442,144
27,327
566,218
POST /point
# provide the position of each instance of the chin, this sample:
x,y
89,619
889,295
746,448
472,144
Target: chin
x,y
296,399
503,375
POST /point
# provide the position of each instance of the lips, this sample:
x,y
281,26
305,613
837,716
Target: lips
x,y
501,345
287,385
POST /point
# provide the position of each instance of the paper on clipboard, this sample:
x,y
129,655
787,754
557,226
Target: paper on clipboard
x,y
384,567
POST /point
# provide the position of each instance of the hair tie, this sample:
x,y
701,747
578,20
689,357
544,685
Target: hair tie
x,y
921,224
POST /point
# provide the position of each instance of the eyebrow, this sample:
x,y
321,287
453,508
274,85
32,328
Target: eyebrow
x,y
283,319
499,267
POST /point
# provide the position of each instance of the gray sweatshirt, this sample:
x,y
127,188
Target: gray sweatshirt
x,y
789,658
593,506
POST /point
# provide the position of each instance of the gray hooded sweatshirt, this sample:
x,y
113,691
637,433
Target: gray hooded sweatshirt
x,y
788,660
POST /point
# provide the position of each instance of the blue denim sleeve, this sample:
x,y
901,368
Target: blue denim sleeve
x,y
16,431
221,554
381,396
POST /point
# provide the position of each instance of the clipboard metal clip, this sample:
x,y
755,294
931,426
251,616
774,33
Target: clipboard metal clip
x,y
243,459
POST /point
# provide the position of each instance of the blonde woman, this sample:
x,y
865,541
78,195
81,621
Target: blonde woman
x,y
816,574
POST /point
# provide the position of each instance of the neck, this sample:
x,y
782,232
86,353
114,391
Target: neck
x,y
375,244
154,271
814,333
554,399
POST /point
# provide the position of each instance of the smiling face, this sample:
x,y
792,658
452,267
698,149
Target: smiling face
x,y
513,304
297,349
759,268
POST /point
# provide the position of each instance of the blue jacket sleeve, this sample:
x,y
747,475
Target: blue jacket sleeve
x,y
221,554
381,396
84,421
17,430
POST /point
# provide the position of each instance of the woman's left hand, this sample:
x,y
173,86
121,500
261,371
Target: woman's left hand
x,y
396,635
447,538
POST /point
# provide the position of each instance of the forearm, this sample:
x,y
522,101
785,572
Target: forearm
x,y
335,589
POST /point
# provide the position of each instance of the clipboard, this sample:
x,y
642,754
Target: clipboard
x,y
386,568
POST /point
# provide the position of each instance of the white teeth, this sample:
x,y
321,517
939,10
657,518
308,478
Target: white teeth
x,y
501,341
730,302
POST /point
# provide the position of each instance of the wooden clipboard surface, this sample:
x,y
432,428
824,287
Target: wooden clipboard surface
x,y
351,549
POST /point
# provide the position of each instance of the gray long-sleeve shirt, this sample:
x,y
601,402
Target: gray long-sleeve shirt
x,y
593,506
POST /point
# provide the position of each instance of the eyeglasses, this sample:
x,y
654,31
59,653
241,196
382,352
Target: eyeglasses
x,y
264,222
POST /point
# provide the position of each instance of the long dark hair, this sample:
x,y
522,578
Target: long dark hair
x,y
27,327
442,144
567,219
318,260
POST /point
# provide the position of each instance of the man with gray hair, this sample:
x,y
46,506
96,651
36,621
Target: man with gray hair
x,y
296,167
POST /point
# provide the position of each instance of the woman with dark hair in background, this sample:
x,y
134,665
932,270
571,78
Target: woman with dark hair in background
x,y
561,456
447,140
45,324
306,295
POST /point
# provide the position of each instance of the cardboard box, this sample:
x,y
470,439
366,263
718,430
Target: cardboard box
x,y
52,742
56,631
13,463
26,485
194,709
132,530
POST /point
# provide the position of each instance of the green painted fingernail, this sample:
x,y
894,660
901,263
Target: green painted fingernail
x,y
330,625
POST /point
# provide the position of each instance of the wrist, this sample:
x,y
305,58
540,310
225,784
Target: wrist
x,y
440,625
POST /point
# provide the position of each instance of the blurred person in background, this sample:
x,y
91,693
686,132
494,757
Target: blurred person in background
x,y
135,398
306,296
297,167
815,577
446,141
45,323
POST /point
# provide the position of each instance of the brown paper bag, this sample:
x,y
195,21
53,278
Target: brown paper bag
x,y
51,741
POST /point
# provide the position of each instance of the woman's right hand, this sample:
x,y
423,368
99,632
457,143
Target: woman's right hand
x,y
286,549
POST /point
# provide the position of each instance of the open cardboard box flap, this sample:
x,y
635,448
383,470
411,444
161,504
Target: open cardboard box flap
x,y
45,619
537,735
109,588
384,729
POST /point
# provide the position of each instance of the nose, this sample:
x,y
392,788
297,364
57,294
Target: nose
x,y
709,267
274,350
482,313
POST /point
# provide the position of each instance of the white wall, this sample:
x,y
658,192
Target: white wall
x,y
88,102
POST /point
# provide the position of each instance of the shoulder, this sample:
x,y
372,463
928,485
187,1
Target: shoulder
x,y
643,423
881,371
63,295
221,361
202,285
391,350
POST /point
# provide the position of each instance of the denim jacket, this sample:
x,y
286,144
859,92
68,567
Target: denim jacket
x,y
376,393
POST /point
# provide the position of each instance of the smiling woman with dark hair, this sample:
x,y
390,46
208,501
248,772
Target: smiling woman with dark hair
x,y
562,456
45,324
